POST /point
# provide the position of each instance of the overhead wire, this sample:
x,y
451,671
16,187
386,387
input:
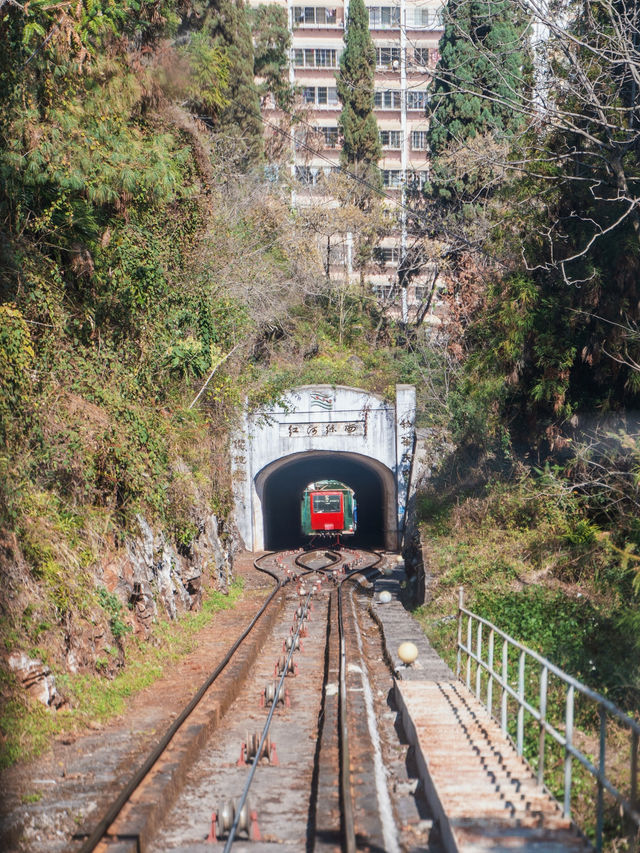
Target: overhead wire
x,y
418,215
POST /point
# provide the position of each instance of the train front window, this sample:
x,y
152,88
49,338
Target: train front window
x,y
326,503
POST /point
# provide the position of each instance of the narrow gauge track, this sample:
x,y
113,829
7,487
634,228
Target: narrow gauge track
x,y
101,830
320,798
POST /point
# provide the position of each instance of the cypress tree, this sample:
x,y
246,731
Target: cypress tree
x,y
482,68
272,43
229,27
361,148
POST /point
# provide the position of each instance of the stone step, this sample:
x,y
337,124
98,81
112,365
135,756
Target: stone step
x,y
482,792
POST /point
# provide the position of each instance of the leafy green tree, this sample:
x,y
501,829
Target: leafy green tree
x,y
361,148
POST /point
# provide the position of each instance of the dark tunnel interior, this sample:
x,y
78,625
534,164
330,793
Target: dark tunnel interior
x,y
283,493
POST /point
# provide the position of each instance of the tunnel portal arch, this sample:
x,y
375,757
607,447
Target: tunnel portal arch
x,y
279,488
319,432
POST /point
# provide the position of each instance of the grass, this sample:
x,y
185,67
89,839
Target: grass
x,y
538,568
28,727
31,798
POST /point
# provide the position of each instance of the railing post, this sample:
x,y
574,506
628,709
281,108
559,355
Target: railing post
x,y
544,679
479,656
469,649
633,796
568,742
460,606
602,767
505,695
520,738
490,681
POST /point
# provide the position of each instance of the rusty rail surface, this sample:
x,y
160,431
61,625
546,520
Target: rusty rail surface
x,y
471,646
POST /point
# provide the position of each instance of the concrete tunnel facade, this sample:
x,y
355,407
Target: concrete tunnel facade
x,y
324,432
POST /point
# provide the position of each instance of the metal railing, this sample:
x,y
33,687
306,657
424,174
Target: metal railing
x,y
480,642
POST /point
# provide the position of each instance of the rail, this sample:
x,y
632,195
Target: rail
x,y
96,836
477,641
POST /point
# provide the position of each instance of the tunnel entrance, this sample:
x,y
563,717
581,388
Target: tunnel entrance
x,y
280,487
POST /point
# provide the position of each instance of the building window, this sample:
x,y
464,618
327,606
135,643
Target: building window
x,y
419,140
321,96
317,15
421,56
306,175
329,135
311,175
420,18
387,99
383,291
327,95
315,57
420,293
388,57
391,178
386,254
416,180
384,17
417,99
390,138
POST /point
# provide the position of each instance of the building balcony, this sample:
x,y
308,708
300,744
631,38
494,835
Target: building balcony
x,y
338,25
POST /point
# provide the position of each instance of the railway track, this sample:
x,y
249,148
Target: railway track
x,y
296,759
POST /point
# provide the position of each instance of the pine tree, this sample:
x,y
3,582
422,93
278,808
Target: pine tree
x,y
361,148
481,69
229,27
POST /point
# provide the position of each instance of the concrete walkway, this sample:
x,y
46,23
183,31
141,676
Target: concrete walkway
x,y
483,795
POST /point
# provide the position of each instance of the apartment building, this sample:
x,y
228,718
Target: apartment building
x,y
406,35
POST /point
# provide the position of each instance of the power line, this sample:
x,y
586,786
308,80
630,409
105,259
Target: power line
x,y
417,214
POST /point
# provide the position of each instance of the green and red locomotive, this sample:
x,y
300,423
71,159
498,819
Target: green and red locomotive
x,y
328,508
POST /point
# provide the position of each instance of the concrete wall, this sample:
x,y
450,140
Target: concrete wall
x,y
316,419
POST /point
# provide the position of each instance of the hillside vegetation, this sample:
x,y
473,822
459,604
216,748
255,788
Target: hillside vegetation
x,y
143,253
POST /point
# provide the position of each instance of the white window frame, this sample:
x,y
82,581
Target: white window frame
x,y
392,178
419,136
417,100
314,16
392,143
384,17
315,57
390,99
393,57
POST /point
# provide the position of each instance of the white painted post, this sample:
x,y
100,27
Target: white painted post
x,y
479,656
490,682
460,606
568,737
544,678
520,735
505,695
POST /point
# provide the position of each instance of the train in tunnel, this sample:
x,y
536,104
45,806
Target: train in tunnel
x,y
328,508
